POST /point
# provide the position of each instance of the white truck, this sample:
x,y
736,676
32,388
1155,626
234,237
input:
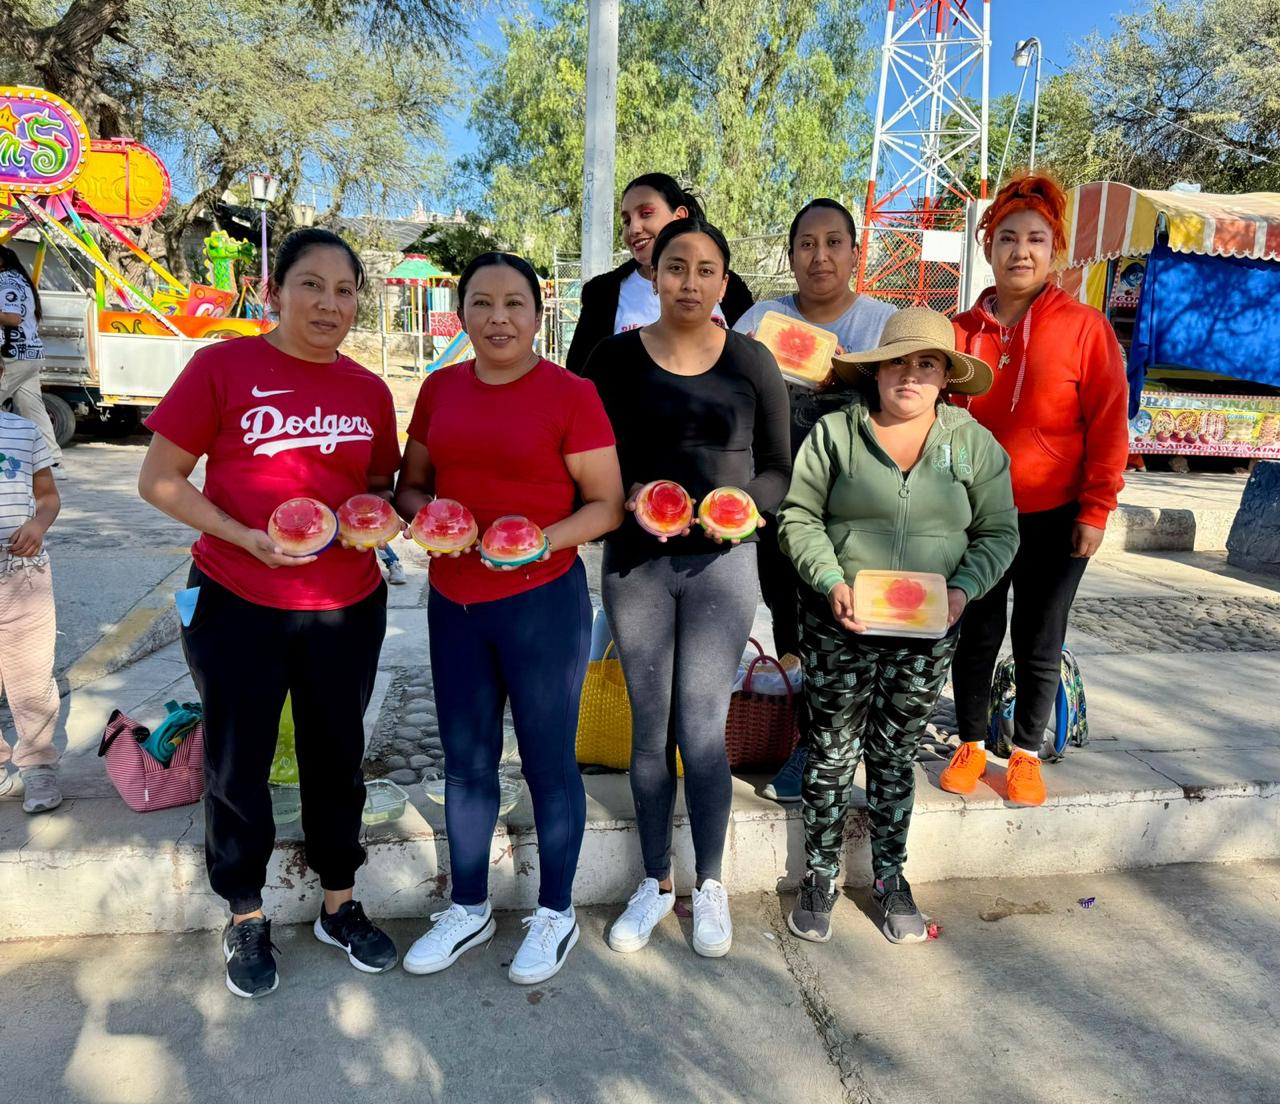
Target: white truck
x,y
101,384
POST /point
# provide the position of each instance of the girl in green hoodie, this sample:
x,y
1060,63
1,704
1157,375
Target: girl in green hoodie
x,y
897,480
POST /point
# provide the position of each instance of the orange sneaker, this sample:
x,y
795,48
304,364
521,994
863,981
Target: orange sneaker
x,y
962,773
1023,784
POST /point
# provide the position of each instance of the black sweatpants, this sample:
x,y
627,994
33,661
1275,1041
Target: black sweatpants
x,y
244,659
780,587
1044,577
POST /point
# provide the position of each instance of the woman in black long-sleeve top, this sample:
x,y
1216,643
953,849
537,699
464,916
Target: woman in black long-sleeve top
x,y
624,299
706,408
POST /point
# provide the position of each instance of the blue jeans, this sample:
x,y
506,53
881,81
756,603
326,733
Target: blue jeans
x,y
531,648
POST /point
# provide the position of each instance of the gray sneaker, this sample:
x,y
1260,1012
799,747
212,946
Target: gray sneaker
x,y
811,917
41,789
902,921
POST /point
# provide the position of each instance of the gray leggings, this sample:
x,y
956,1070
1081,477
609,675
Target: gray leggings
x,y
681,623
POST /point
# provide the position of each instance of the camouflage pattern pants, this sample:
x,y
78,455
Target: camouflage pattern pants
x,y
869,697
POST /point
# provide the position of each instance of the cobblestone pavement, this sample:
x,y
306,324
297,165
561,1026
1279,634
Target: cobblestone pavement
x,y
1181,624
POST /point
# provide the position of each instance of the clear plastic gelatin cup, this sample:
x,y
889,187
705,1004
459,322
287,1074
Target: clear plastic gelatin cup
x,y
728,513
512,541
302,527
664,508
367,521
444,526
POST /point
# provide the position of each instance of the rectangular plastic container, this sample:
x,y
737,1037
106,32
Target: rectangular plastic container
x,y
383,801
901,603
803,351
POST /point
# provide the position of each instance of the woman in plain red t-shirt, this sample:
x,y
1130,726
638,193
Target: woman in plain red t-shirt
x,y
281,416
510,433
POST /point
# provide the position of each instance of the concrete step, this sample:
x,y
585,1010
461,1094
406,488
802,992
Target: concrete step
x,y
1108,809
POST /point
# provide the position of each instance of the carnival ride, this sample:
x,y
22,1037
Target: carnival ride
x,y
1189,281
76,194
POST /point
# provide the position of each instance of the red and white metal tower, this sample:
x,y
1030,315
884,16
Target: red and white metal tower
x,y
929,157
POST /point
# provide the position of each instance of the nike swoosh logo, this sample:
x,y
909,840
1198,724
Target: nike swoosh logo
x,y
267,394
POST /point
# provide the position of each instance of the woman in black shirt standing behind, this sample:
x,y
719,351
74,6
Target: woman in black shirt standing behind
x,y
704,408
623,299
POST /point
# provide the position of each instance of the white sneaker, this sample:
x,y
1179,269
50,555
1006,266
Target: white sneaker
x,y
454,932
41,789
395,574
712,928
548,942
647,906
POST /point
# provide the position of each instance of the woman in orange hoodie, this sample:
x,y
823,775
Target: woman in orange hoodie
x,y
1058,406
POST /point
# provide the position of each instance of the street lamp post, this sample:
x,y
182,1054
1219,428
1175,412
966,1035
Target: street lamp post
x,y
1022,58
264,187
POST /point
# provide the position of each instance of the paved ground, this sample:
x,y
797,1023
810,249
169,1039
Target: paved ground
x,y
1166,989
109,548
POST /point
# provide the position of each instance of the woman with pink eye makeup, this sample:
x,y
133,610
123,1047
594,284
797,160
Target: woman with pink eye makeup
x,y
624,299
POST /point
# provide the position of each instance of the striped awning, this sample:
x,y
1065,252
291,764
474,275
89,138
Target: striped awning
x,y
1107,220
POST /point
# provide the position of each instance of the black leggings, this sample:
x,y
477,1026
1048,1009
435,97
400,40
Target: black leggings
x,y
244,658
1044,576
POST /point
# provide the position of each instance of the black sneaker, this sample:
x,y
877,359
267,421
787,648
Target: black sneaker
x,y
811,917
368,947
902,921
251,967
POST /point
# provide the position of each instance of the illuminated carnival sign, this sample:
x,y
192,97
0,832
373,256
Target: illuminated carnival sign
x,y
124,181
43,141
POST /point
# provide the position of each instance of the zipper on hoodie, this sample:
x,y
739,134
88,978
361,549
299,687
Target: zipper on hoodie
x,y
904,485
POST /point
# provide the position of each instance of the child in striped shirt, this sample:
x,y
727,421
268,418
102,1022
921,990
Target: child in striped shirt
x,y
29,503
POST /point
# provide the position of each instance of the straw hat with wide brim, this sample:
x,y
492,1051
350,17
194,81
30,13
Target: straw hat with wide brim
x,y
914,330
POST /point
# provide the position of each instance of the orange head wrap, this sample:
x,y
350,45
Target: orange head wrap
x,y
1028,193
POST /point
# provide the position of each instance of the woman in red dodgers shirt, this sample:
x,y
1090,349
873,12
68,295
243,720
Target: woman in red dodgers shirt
x,y
1058,408
510,433
278,417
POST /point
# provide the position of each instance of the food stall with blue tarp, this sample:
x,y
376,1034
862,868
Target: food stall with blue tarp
x,y
1190,281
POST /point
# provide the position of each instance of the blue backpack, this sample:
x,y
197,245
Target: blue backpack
x,y
1071,721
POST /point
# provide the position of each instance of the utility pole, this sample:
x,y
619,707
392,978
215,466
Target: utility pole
x,y
602,117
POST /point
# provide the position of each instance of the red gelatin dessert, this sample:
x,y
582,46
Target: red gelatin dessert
x,y
728,513
512,541
664,508
444,526
901,603
302,527
366,521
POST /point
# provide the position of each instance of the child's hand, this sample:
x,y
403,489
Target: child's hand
x,y
27,539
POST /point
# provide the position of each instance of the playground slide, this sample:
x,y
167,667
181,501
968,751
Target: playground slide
x,y
457,350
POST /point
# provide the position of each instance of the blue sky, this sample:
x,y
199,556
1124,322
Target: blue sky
x,y
1056,25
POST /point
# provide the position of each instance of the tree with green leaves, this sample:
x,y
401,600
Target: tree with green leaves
x,y
452,245
758,103
344,97
1186,90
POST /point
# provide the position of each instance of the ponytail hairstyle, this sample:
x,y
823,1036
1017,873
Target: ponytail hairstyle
x,y
672,194
679,227
1028,192
300,242
508,260
11,262
822,204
